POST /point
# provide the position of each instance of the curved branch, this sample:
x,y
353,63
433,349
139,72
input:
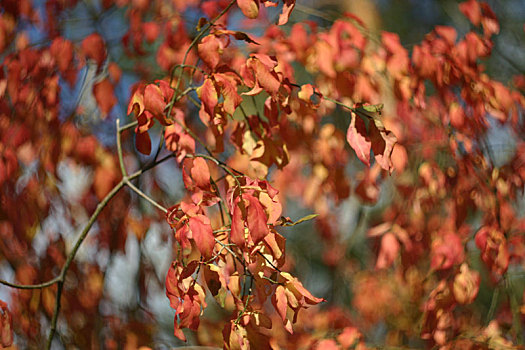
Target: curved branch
x,y
61,278
31,286
146,197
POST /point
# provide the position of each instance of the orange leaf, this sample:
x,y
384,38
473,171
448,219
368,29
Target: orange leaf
x,y
288,6
154,101
202,234
472,11
143,142
280,302
93,47
383,142
200,173
209,49
256,219
250,8
103,91
358,139
6,333
237,227
209,97
466,285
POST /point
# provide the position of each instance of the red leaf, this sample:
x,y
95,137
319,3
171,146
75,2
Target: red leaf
x,y
358,139
209,49
472,11
62,51
202,234
237,227
228,87
383,142
280,302
288,6
250,8
154,101
263,67
114,72
143,142
151,31
93,47
256,219
388,252
208,95
327,344
446,251
200,173
7,325
104,96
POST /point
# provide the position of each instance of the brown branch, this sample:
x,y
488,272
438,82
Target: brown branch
x,y
71,256
119,150
30,286
61,278
146,197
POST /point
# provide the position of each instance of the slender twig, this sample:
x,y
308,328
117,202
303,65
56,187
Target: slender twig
x,y
268,260
62,277
194,101
514,307
146,197
493,304
31,286
225,246
119,150
72,254
128,126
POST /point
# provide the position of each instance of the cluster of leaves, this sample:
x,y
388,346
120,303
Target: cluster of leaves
x,y
250,137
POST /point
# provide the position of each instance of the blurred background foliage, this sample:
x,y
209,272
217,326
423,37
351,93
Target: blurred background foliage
x,y
133,278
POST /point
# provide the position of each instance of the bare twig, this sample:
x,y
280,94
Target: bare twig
x,y
62,277
146,197
128,126
31,286
119,150
71,256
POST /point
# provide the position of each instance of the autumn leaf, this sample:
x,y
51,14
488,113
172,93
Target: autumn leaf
x,y
6,324
358,139
383,142
250,8
104,95
256,219
93,47
200,173
209,50
202,234
288,6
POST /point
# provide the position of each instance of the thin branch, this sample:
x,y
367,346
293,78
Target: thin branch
x,y
269,262
61,278
128,126
146,197
119,150
72,254
31,286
